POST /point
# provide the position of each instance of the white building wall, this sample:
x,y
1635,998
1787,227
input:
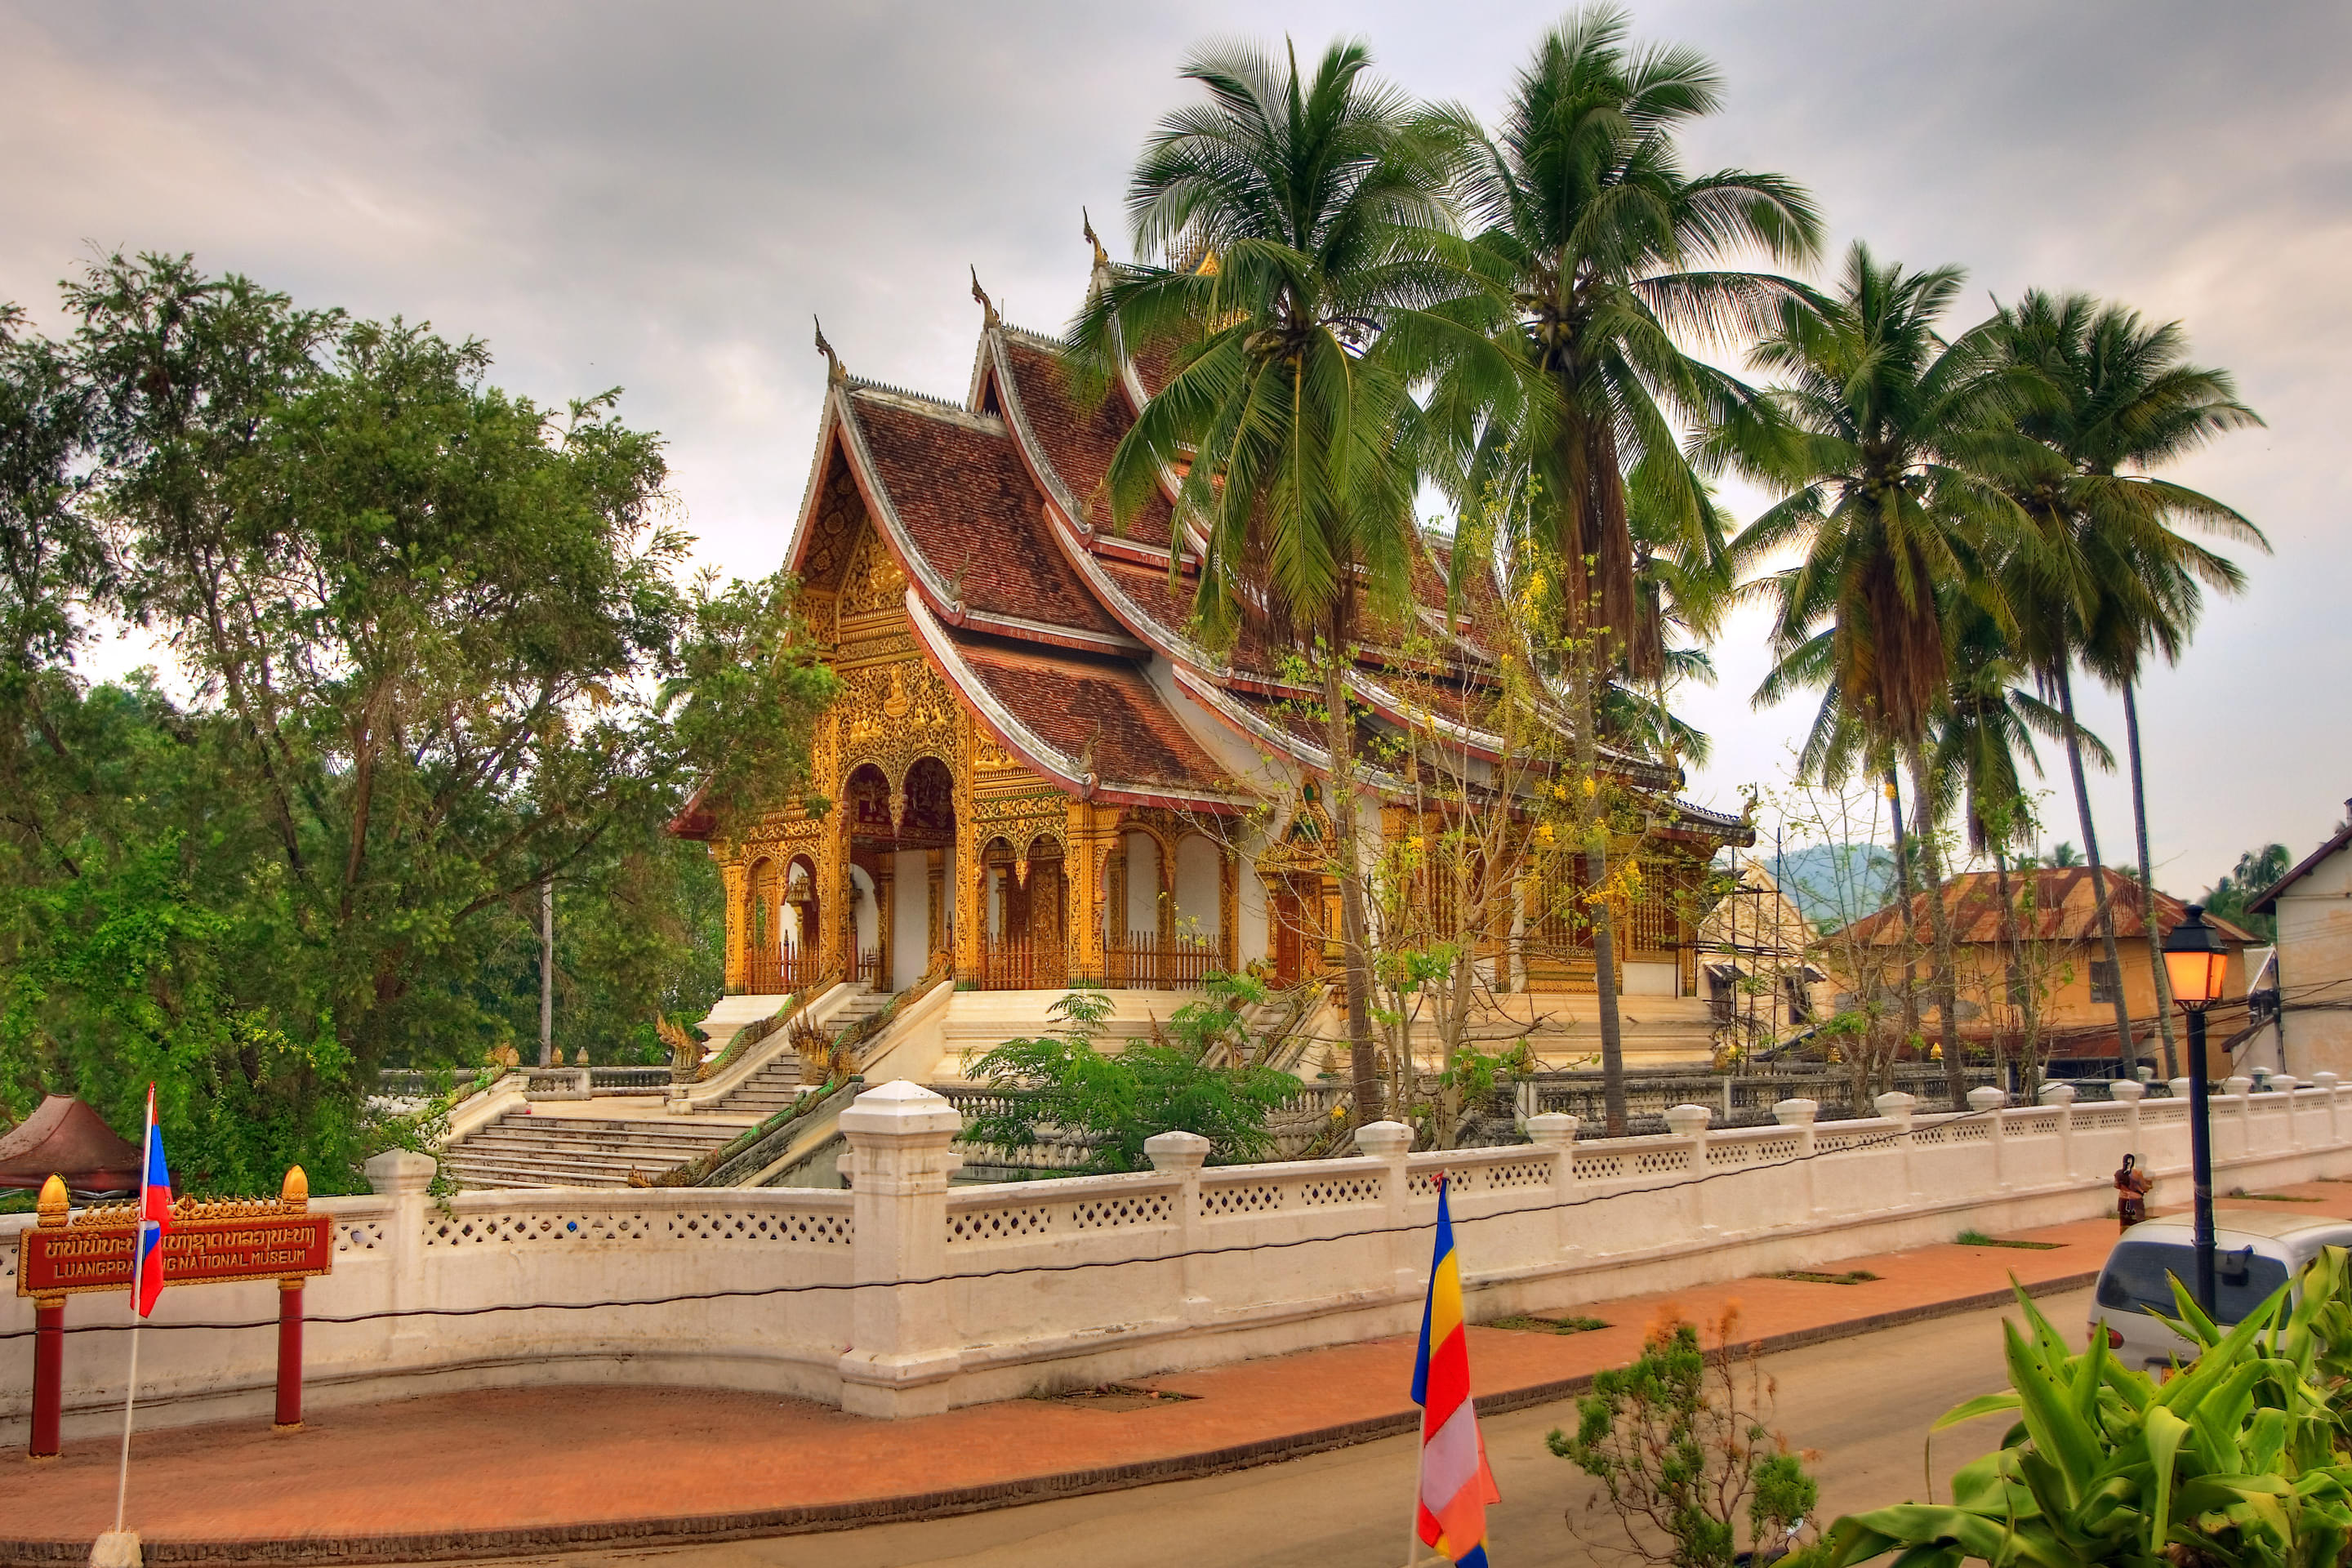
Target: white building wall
x,y
1196,888
2315,950
1142,884
911,930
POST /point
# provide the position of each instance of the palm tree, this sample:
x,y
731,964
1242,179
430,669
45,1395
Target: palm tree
x,y
1588,261
1888,456
2110,578
1985,729
1293,219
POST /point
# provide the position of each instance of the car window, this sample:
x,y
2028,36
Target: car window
x,y
2134,1279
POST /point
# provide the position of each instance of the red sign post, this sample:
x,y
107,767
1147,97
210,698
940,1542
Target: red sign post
x,y
210,1243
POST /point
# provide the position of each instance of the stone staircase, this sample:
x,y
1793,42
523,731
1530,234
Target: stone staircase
x,y
527,1150
777,1084
523,1150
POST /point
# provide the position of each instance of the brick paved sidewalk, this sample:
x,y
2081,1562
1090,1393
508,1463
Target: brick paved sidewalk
x,y
512,1470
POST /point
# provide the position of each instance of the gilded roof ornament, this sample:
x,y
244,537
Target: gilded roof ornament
x,y
987,307
833,374
1102,258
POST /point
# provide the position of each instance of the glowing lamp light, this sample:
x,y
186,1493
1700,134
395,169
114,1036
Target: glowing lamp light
x,y
2195,962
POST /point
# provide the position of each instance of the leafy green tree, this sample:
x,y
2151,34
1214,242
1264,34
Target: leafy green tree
x,y
1892,458
2255,872
1064,1083
1682,1444
423,623
2109,578
1593,253
1295,218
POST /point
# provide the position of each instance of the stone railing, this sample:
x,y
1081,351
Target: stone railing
x,y
903,1295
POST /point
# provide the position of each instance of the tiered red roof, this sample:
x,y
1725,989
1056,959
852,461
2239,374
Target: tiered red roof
x,y
1030,601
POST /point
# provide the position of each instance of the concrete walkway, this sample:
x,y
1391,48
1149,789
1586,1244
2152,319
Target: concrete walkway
x,y
518,1470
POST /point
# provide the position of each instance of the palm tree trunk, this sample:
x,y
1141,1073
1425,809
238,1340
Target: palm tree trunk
x,y
1939,921
2010,970
2126,1053
1910,918
2147,888
1363,1060
1585,679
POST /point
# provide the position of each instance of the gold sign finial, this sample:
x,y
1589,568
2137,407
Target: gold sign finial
x,y
295,1192
54,1202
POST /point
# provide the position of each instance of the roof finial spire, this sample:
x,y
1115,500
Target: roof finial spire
x,y
834,374
989,317
1102,258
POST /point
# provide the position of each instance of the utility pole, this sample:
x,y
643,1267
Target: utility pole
x,y
547,973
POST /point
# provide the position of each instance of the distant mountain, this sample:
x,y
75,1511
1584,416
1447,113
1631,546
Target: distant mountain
x,y
1835,883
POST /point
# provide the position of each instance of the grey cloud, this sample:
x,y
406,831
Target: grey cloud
x,y
660,197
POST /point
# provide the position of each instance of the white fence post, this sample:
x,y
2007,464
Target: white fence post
x,y
1182,1154
2327,1080
900,1354
1799,1114
2131,1091
1389,1143
1898,1107
2243,1088
2062,1095
405,1176
1554,1132
1690,1121
1986,1100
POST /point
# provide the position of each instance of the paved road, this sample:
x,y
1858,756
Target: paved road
x,y
1863,1403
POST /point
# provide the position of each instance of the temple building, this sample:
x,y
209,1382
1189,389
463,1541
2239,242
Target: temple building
x,y
1036,774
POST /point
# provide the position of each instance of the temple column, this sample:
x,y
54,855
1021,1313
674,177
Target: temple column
x,y
1090,827
836,908
885,918
1229,906
733,879
936,909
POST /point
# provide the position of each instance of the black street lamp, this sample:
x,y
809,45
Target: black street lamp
x,y
2198,965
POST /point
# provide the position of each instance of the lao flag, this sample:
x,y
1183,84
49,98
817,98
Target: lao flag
x,y
155,1217
1455,1484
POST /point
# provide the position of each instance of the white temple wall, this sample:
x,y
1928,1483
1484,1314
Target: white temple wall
x,y
1173,1271
910,926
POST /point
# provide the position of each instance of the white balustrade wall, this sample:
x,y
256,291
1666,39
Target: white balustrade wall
x,y
932,1296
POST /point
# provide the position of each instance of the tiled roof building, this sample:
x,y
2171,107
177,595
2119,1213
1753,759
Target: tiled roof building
x,y
1037,772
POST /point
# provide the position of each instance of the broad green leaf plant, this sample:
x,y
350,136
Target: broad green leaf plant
x,y
2234,1460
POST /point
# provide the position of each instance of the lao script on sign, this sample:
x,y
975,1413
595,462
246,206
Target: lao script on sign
x,y
64,1261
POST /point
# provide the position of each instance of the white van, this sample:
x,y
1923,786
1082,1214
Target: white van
x,y
2255,1252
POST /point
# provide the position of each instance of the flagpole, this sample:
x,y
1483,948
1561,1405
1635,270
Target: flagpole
x,y
130,1396
138,1266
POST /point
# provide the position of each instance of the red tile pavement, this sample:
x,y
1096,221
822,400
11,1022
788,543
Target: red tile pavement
x,y
517,1469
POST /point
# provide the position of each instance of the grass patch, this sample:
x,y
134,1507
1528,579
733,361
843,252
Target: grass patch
x,y
2272,1197
1117,1396
1816,1277
1978,1238
1568,1325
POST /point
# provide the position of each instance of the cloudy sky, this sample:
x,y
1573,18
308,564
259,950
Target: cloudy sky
x,y
659,198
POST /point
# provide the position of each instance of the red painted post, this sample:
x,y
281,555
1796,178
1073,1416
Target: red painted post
x,y
55,1206
290,1355
49,1374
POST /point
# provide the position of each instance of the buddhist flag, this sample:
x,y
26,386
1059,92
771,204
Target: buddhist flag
x,y
155,1217
1455,1484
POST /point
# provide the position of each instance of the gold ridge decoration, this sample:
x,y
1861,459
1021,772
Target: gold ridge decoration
x,y
891,715
294,1198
